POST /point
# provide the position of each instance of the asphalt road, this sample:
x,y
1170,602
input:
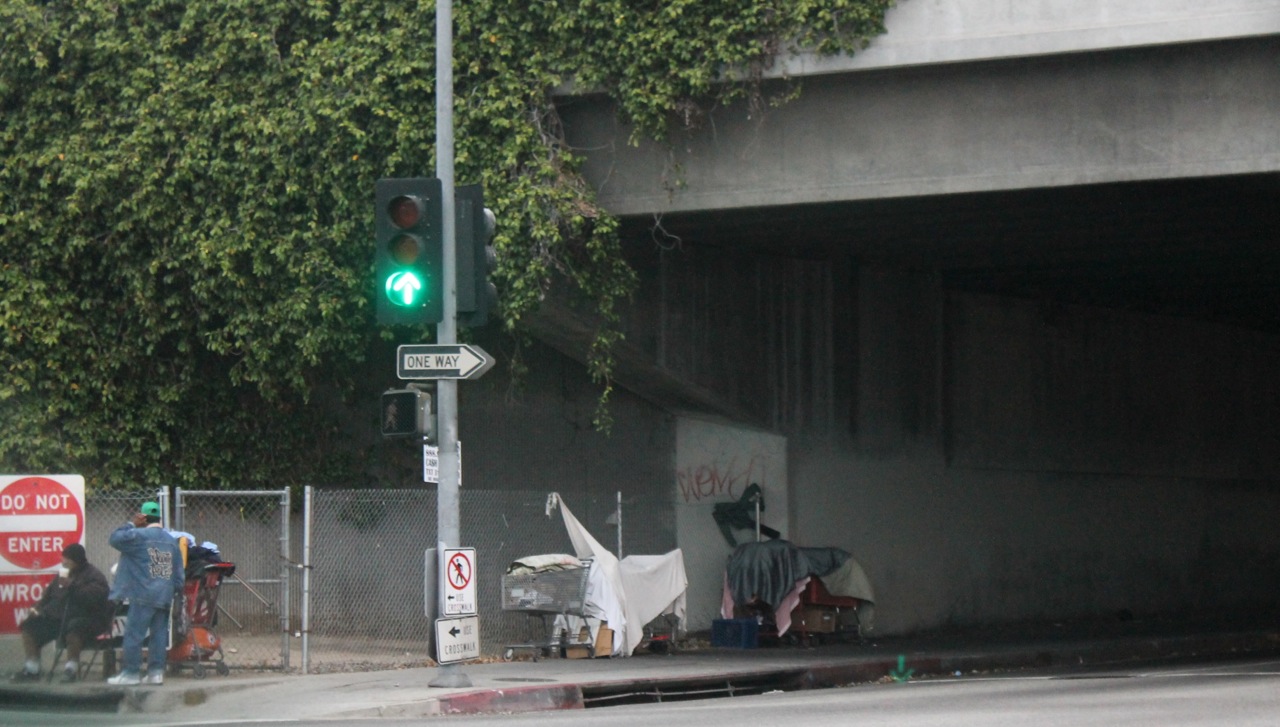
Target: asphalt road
x,y
1239,693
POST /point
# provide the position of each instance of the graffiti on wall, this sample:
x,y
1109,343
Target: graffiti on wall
x,y
715,463
721,481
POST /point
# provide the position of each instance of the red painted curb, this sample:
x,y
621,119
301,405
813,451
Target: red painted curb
x,y
520,699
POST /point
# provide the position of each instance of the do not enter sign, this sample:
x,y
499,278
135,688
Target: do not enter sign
x,y
39,516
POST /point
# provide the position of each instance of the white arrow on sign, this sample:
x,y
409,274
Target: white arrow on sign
x,y
457,639
463,362
446,361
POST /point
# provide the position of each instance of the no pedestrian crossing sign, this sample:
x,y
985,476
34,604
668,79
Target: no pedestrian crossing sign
x,y
458,633
458,581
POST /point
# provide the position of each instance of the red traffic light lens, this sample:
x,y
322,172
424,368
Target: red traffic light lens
x,y
405,211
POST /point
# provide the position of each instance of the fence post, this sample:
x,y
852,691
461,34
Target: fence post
x,y
306,580
284,579
166,517
178,510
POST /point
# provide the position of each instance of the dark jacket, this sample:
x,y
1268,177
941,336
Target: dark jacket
x,y
83,595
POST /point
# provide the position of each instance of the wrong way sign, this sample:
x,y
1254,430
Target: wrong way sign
x,y
18,594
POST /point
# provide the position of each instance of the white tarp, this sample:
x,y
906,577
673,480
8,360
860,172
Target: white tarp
x,y
629,593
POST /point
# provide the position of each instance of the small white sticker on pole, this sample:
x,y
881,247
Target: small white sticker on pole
x,y
431,464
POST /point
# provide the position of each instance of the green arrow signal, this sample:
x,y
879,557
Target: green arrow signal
x,y
902,673
403,287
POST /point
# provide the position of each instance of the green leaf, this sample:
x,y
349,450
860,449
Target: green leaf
x,y
186,202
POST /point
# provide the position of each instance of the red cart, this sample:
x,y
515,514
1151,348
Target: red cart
x,y
196,644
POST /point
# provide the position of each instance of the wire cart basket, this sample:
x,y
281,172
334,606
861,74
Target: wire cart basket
x,y
539,595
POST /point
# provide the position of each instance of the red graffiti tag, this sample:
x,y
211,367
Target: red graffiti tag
x,y
719,482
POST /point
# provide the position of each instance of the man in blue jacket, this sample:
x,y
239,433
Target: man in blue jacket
x,y
148,575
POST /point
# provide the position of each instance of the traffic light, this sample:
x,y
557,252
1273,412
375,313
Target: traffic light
x,y
408,413
476,225
409,253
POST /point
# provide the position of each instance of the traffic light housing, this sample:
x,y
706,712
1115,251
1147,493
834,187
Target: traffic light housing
x,y
408,413
409,251
475,228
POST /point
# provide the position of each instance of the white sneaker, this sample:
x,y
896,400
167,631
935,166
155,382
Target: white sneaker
x,y
153,678
124,679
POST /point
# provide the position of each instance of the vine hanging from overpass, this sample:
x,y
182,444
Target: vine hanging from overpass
x,y
186,201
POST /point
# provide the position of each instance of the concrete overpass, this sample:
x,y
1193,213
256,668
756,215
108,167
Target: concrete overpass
x,y
968,96
992,305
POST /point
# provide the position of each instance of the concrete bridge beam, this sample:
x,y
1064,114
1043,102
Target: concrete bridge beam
x,y
1179,111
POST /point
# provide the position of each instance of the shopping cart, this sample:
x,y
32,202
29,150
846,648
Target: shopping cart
x,y
555,593
196,643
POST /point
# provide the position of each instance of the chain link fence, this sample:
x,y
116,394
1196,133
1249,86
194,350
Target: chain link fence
x,y
368,599
367,563
104,512
257,606
254,608
366,578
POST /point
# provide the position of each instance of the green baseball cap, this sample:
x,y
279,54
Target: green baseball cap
x,y
150,509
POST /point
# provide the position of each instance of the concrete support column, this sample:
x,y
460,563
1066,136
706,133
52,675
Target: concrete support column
x,y
899,358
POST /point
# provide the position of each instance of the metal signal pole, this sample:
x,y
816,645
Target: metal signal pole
x,y
447,499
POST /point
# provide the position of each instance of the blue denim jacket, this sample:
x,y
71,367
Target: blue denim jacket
x,y
150,569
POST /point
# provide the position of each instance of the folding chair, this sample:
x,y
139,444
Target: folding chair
x,y
105,642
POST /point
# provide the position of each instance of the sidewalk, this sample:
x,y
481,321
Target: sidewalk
x,y
703,673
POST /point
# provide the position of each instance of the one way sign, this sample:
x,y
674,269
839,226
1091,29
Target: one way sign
x,y
444,361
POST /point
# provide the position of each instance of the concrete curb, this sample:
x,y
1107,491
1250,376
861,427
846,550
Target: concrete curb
x,y
153,700
1116,652
98,700
837,674
486,701
104,698
522,699
722,673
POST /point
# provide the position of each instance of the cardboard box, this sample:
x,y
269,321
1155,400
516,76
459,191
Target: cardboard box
x,y
577,649
603,645
815,619
604,641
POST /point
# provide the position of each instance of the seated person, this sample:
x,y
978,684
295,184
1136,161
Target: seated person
x,y
75,603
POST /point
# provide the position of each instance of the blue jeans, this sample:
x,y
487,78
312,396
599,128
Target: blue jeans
x,y
142,619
